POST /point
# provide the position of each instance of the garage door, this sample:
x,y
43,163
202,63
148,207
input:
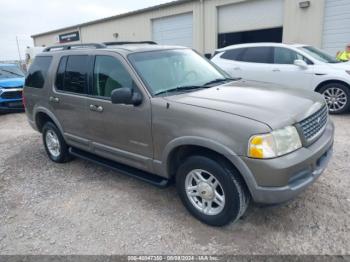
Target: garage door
x,y
336,30
173,30
251,15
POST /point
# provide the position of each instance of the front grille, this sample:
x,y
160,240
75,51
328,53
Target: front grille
x,y
12,95
313,125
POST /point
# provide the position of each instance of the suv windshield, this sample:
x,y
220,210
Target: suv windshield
x,y
10,72
176,70
318,54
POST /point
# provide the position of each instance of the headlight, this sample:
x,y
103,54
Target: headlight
x,y
274,144
1,91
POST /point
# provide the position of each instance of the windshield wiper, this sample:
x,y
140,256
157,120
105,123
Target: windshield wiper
x,y
179,89
11,72
220,80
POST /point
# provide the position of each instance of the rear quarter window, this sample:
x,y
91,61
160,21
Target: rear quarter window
x,y
234,54
38,71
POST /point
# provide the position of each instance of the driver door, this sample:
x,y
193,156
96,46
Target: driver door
x,y
119,132
286,74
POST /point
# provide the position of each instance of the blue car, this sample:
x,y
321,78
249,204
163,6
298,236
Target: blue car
x,y
11,87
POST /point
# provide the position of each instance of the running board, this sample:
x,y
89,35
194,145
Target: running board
x,y
123,169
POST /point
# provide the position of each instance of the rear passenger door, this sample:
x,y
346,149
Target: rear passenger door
x,y
229,61
251,63
119,132
68,99
256,63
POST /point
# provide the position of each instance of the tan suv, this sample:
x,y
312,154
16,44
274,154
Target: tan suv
x,y
162,113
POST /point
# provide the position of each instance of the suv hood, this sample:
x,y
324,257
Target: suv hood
x,y
11,82
273,106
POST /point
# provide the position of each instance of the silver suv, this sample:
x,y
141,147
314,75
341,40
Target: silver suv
x,y
164,114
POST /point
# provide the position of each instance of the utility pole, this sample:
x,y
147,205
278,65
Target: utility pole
x,y
19,52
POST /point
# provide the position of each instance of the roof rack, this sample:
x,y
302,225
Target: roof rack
x,y
95,45
74,46
130,43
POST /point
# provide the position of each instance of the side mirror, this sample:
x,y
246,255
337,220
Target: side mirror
x,y
126,96
301,63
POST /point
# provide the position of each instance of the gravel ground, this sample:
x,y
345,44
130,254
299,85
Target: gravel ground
x,y
82,208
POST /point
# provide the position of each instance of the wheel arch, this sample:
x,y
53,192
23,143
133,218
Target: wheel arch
x,y
42,115
181,148
332,81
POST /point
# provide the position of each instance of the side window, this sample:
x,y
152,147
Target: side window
x,y
284,56
60,73
234,54
109,74
74,77
262,54
38,72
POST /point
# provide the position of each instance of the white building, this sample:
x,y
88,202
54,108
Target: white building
x,y
208,24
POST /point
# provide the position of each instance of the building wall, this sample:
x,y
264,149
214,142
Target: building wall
x,y
51,39
139,27
130,28
303,25
300,25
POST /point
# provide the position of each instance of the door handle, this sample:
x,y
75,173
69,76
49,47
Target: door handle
x,y
54,99
237,68
92,107
99,109
96,108
276,70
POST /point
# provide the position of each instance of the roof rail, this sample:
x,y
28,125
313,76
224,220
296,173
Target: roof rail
x,y
130,43
74,46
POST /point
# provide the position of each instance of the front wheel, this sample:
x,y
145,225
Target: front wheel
x,y
212,192
337,97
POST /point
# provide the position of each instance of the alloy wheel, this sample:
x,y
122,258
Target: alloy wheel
x,y
336,98
205,192
53,144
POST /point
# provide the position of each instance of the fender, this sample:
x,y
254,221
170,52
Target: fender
x,y
212,145
41,109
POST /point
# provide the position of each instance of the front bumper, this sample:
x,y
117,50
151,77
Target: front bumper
x,y
281,179
11,99
11,105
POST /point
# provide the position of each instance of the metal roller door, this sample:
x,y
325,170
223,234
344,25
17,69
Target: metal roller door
x,y
336,29
173,30
251,15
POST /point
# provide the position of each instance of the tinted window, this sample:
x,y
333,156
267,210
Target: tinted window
x,y
75,76
234,54
38,72
287,57
258,55
60,73
109,74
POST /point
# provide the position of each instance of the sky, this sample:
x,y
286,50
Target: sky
x,y
22,18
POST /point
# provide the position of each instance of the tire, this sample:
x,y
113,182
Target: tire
x,y
333,92
230,185
60,156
